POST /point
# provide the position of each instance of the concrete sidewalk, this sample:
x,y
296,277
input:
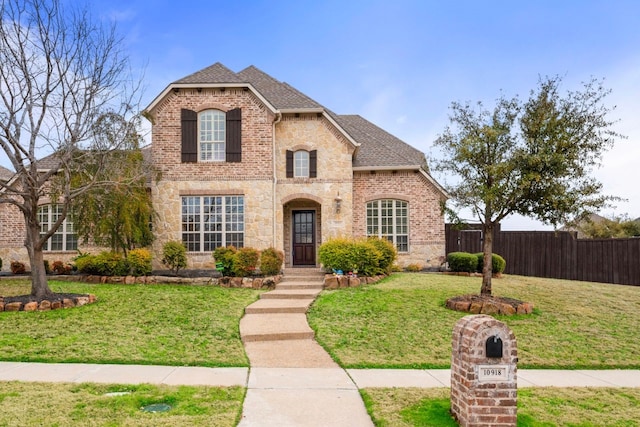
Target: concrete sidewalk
x,y
295,378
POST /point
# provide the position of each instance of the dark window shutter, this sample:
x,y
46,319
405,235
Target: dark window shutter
x,y
189,123
289,164
234,135
313,163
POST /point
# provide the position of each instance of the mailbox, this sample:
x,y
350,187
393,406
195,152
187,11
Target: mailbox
x,y
493,347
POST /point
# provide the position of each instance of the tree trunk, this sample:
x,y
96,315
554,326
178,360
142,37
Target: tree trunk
x,y
487,249
39,286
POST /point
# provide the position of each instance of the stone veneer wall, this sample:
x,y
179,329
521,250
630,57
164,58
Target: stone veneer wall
x,y
334,178
426,222
12,232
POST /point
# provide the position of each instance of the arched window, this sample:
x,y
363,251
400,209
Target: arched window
x,y
301,164
64,239
211,135
389,219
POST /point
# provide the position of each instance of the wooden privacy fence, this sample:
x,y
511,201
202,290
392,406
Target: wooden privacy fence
x,y
558,255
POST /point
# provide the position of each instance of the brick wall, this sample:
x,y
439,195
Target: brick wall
x,y
482,403
426,222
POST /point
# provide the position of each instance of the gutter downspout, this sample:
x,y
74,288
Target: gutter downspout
x,y
275,177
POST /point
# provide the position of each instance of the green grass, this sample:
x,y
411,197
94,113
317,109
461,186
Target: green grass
x,y
401,322
58,404
130,324
537,407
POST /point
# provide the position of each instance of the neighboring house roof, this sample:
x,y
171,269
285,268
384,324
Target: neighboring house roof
x,y
376,148
5,174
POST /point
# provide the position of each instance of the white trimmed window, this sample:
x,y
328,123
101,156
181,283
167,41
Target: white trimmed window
x,y
65,238
209,222
389,219
211,135
301,164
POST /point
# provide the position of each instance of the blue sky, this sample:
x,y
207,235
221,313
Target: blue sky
x,y
400,64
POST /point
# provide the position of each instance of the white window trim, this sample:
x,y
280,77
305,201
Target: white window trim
x,y
216,155
394,218
66,229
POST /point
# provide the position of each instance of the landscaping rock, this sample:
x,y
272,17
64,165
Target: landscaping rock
x,y
488,304
44,305
31,306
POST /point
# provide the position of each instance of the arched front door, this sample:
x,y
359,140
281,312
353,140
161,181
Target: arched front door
x,y
304,240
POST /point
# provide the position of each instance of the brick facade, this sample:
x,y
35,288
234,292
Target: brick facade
x,y
426,221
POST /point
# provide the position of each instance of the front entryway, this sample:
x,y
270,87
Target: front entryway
x,y
304,237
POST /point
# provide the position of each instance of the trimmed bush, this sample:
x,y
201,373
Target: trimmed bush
x,y
111,264
498,264
271,261
245,262
462,262
358,256
224,255
18,267
335,254
61,268
413,268
174,256
85,263
139,261
388,253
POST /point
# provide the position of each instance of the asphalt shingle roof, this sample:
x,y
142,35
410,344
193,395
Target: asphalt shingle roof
x,y
378,148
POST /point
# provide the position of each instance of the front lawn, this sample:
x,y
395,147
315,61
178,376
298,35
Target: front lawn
x,y
60,404
537,407
401,322
130,324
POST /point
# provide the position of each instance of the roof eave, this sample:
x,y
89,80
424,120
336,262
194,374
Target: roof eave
x,y
418,168
178,86
340,129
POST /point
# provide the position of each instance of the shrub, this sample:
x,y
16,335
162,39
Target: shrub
x,y
245,262
174,256
271,261
388,253
462,262
111,264
224,255
361,256
139,261
413,268
18,267
498,264
61,268
85,263
335,254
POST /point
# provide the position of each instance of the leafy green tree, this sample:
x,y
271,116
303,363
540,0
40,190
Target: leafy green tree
x,y
614,227
60,71
532,158
118,213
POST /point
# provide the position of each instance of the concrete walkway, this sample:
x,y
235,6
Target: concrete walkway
x,y
293,381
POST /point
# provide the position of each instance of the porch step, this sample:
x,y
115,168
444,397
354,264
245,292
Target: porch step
x,y
275,327
265,306
299,285
291,294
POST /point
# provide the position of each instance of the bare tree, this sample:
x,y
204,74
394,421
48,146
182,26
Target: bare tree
x,y
60,72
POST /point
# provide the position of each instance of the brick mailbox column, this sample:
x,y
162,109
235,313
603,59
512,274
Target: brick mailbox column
x,y
483,373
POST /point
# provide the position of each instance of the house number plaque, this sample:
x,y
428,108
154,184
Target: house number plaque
x,y
492,373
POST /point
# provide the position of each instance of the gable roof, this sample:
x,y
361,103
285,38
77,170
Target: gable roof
x,y
376,148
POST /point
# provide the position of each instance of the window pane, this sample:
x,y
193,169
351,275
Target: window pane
x,y
301,164
212,221
211,135
389,219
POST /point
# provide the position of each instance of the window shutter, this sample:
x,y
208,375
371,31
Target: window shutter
x,y
313,163
189,124
234,136
289,164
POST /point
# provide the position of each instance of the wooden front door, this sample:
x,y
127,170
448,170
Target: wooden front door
x,y
304,238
